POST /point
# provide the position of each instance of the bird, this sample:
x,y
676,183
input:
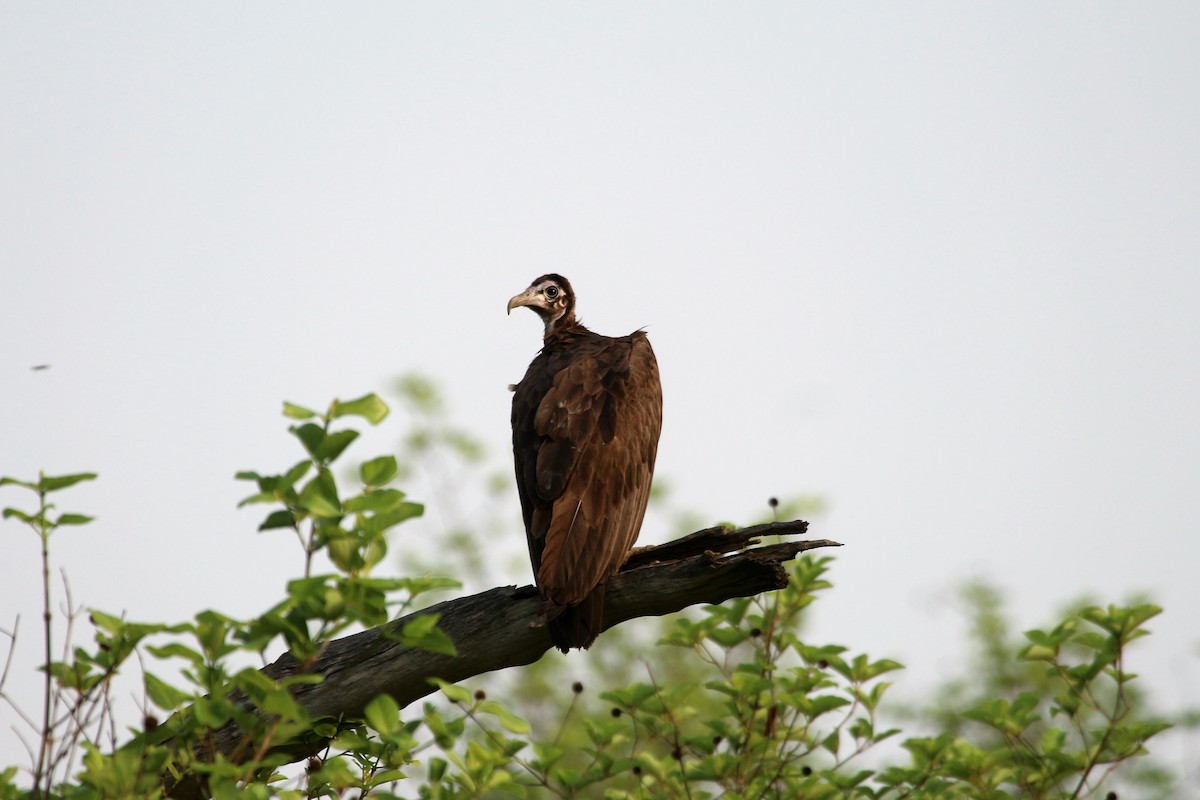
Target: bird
x,y
586,420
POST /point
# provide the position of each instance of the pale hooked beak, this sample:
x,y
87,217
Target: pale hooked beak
x,y
530,297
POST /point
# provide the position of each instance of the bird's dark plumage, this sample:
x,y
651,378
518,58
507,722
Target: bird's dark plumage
x,y
586,419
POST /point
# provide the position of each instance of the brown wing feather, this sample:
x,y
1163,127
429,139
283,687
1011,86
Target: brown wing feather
x,y
586,420
600,421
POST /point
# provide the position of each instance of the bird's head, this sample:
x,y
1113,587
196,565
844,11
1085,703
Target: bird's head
x,y
551,298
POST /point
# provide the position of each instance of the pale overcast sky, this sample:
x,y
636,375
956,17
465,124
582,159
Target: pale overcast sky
x,y
936,262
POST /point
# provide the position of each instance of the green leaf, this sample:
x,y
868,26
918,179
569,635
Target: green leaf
x,y
13,481
1092,640
1037,652
210,712
295,473
415,586
465,445
1008,718
862,729
453,692
319,496
378,471
325,730
421,392
163,695
49,484
388,519
297,412
344,551
877,668
392,775
370,407
509,720
278,519
1053,740
310,435
823,704
334,444
106,622
18,513
74,519
424,634
378,501
75,676
262,497
175,650
383,714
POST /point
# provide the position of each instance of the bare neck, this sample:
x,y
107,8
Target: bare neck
x,y
561,328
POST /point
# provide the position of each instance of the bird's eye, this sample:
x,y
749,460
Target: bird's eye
x,y
552,292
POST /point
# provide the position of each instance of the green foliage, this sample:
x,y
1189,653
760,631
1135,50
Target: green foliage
x,y
731,702
55,727
777,717
474,497
1061,738
348,528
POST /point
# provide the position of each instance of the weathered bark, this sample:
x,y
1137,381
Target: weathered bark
x,y
501,627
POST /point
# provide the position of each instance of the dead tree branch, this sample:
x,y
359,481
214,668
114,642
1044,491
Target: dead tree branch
x,y
501,627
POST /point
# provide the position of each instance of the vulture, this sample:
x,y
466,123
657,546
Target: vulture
x,y
586,419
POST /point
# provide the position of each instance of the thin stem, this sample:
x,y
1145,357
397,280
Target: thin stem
x,y
1117,713
562,726
542,780
12,649
675,741
309,548
43,752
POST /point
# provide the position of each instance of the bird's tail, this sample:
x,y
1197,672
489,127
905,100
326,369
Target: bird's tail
x,y
577,625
